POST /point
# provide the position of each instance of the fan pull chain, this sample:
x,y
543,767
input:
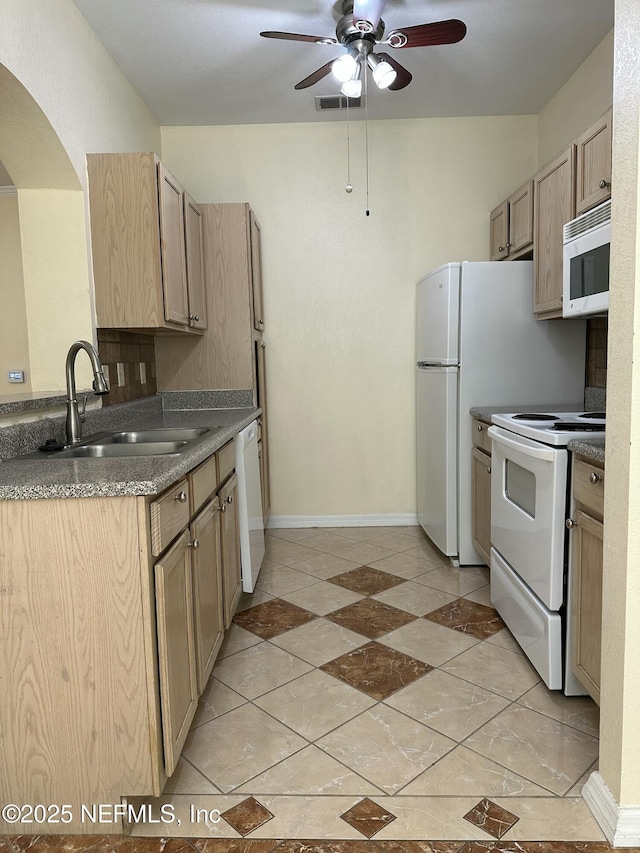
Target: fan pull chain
x,y
349,187
366,133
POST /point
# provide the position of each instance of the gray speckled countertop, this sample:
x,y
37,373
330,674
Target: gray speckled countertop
x,y
143,475
591,449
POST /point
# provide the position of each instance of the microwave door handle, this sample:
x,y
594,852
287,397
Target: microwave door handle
x,y
531,448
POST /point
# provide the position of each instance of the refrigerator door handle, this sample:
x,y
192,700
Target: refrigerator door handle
x,y
433,365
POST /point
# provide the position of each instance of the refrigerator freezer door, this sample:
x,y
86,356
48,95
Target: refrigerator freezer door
x,y
437,312
437,455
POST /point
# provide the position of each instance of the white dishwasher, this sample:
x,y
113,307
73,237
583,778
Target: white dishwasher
x,y
250,517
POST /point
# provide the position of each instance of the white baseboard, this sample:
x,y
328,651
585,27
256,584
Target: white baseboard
x,y
289,521
620,824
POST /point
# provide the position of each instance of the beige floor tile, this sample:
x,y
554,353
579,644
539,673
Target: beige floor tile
x,y
236,639
194,816
481,596
239,745
415,532
504,672
435,818
425,548
363,553
415,598
293,534
386,748
323,566
307,817
394,541
451,706
322,597
319,641
359,534
314,704
187,780
252,599
259,669
327,542
455,581
287,553
580,712
216,700
551,819
505,639
463,772
534,746
404,565
576,790
428,642
310,771
282,580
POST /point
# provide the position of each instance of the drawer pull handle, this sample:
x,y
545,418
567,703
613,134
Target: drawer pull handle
x,y
230,499
480,428
604,185
181,497
488,469
570,524
223,508
594,478
195,544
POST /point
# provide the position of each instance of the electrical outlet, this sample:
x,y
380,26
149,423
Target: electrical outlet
x,y
17,376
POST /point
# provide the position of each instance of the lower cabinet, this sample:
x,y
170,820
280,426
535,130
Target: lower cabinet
x,y
586,574
231,574
481,489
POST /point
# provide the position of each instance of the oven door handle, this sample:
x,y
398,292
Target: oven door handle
x,y
521,444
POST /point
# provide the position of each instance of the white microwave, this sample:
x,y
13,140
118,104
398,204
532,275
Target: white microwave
x,y
585,263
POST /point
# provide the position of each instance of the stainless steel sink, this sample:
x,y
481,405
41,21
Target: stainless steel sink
x,y
148,442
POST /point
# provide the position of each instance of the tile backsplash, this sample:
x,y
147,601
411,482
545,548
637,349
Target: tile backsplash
x,y
131,363
597,329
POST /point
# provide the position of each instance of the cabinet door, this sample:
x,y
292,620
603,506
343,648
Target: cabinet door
x,y
176,653
194,252
206,566
263,446
521,220
593,184
174,278
482,503
554,204
499,231
231,571
256,272
586,619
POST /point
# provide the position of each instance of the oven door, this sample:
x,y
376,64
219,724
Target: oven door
x,y
528,502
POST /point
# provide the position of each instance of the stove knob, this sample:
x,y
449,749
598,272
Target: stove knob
x,y
594,478
570,524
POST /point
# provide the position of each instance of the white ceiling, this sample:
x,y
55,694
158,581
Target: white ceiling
x,y
203,62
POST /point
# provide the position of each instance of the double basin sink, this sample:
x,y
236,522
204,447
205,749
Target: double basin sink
x,y
147,442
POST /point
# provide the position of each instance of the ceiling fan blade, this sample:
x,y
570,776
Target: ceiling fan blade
x,y
440,32
403,77
271,34
366,14
316,76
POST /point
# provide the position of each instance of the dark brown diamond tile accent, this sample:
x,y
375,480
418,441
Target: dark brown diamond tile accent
x,y
376,670
468,617
371,618
247,816
491,817
273,618
234,845
368,817
419,846
298,846
366,581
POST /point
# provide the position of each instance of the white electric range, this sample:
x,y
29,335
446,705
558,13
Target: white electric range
x,y
530,488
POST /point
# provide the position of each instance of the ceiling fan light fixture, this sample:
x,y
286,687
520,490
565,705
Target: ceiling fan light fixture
x,y
344,68
352,88
382,71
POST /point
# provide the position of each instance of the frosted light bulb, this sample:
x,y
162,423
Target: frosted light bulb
x,y
352,88
344,68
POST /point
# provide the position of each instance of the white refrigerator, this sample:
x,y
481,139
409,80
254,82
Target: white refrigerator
x,y
478,344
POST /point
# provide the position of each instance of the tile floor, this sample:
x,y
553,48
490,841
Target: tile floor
x,y
368,689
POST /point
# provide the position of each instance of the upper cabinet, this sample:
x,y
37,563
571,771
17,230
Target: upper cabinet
x,y
512,225
593,184
554,204
146,236
255,268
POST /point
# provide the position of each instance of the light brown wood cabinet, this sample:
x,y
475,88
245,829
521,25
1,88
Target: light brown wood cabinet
x,y
554,204
146,245
481,489
586,573
593,182
511,225
111,636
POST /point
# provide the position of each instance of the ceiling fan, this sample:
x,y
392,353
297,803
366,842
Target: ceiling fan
x,y
361,28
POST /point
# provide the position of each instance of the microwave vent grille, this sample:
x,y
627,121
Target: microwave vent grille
x,y
591,219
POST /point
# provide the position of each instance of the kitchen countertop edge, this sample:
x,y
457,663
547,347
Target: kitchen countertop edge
x,y
126,476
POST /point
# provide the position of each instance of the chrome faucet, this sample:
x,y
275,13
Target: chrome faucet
x,y
100,387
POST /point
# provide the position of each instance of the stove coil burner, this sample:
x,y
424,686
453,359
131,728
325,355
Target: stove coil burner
x,y
574,426
535,416
601,416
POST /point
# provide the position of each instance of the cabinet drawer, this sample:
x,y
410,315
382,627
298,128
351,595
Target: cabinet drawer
x,y
169,515
585,491
480,437
203,482
226,460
